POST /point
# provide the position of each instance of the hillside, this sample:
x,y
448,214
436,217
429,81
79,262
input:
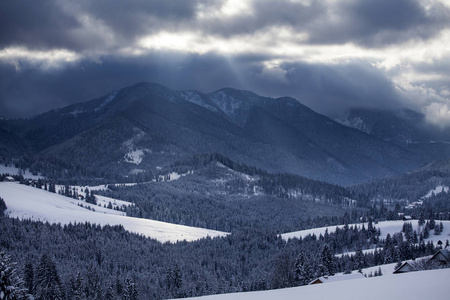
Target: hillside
x,y
146,126
26,202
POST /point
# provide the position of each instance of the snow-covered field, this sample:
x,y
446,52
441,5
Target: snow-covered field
x,y
385,227
411,286
27,202
437,190
15,171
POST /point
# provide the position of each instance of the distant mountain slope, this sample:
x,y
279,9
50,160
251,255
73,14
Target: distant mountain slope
x,y
162,126
410,186
406,128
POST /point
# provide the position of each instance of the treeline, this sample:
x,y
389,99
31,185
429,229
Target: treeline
x,y
411,186
278,184
85,261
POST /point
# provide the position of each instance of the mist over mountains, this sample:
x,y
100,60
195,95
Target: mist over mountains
x,y
141,128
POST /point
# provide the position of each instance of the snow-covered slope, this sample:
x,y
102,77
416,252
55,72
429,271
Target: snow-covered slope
x,y
385,227
26,202
16,171
412,286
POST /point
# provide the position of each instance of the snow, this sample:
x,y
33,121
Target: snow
x,y
351,253
135,156
413,286
25,202
173,176
107,100
194,97
15,171
437,190
385,227
226,103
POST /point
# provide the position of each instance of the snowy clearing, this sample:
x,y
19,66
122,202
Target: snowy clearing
x,y
385,227
25,202
173,176
412,286
135,156
437,190
16,171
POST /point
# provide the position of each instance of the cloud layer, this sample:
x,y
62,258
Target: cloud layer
x,y
330,55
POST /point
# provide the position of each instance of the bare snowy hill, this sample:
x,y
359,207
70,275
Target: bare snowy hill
x,y
26,202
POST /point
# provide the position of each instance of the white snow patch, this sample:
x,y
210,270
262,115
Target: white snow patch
x,y
194,97
107,100
135,156
26,202
16,171
76,112
173,176
226,103
385,227
437,190
352,253
415,285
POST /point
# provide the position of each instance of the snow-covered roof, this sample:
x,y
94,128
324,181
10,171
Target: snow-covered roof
x,y
335,278
405,267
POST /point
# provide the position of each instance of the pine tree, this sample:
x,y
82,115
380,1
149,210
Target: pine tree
x,y
29,277
47,282
327,261
2,206
359,260
302,275
76,287
130,291
11,285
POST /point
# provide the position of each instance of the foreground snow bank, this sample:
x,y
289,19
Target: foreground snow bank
x,y
25,202
412,286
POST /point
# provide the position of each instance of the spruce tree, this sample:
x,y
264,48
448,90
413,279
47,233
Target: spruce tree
x,y
47,282
11,285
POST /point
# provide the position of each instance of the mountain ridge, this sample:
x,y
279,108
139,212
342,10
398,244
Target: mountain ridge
x,y
277,134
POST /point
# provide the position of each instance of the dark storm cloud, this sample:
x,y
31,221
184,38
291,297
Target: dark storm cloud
x,y
376,23
102,24
39,24
76,25
329,89
370,23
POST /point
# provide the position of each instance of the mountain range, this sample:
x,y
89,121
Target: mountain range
x,y
145,127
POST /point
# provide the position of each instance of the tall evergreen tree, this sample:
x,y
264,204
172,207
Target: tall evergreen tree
x,y
47,282
327,261
11,285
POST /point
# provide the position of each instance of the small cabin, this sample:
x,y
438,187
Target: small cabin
x,y
9,178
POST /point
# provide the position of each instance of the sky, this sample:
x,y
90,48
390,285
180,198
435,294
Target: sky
x,y
330,55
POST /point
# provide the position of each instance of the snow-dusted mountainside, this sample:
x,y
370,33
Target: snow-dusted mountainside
x,y
150,125
386,227
406,128
413,286
26,202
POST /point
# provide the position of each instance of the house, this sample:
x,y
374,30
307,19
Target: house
x,y
441,257
9,178
334,278
404,268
